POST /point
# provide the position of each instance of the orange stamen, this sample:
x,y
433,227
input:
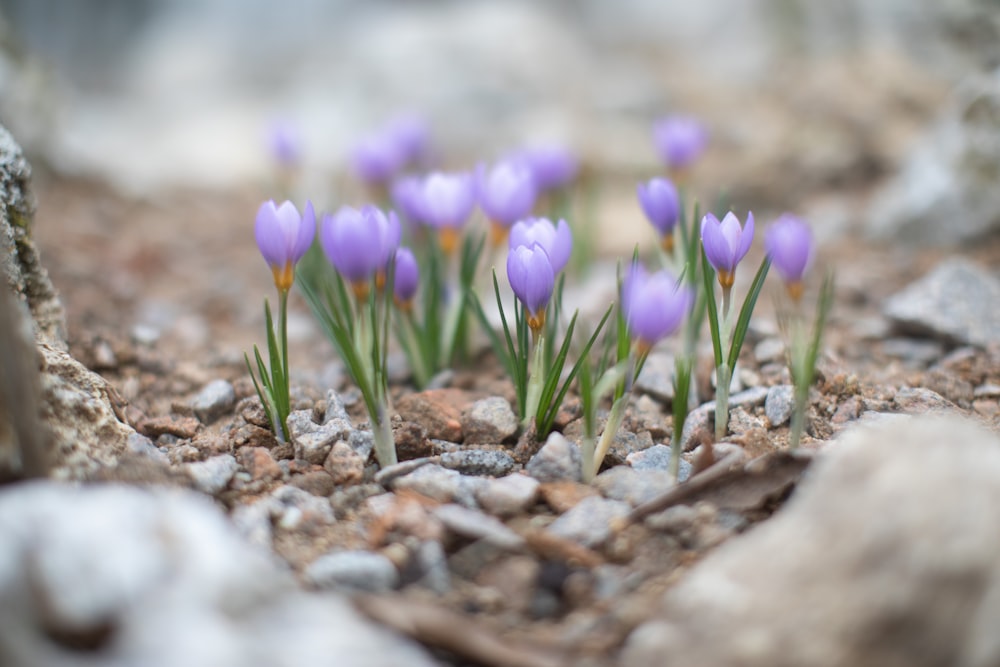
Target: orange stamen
x,y
536,322
795,289
498,234
284,276
448,238
667,242
727,278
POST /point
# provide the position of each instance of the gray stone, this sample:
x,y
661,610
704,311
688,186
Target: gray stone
x,y
156,565
957,302
441,484
657,376
946,191
657,457
20,260
508,496
768,350
632,486
491,462
213,401
589,521
313,441
489,421
885,555
475,525
335,408
919,400
914,351
557,460
698,420
292,508
212,475
432,563
353,570
748,398
142,446
779,404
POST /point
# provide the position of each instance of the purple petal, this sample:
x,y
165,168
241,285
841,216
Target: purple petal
x,y
746,239
531,277
407,275
717,248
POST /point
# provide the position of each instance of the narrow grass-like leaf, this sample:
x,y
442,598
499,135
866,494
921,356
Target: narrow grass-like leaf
x,y
743,322
708,275
553,408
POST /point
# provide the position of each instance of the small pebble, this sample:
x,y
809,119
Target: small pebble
x,y
489,421
779,404
769,349
441,484
144,447
657,377
312,441
558,459
215,399
490,462
632,486
589,522
344,465
508,496
353,570
476,525
212,475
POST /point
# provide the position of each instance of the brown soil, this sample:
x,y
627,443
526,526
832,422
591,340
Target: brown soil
x,y
188,263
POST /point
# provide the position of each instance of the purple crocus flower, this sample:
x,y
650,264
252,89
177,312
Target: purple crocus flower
x,y
446,201
506,194
377,158
359,243
662,206
283,237
680,140
789,244
726,243
551,165
406,195
556,240
654,305
407,278
284,142
409,132
532,278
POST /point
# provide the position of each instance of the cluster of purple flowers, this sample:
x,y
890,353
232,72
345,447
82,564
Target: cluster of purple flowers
x,y
539,250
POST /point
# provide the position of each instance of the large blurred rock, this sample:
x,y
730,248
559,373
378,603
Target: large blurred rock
x,y
947,191
887,554
75,405
111,576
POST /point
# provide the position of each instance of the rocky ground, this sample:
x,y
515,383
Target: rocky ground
x,y
174,529
482,545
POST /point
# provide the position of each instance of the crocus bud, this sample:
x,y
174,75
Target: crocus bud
x,y
377,158
556,240
359,243
283,237
532,279
726,243
551,165
654,305
446,202
789,245
680,140
407,278
662,206
506,194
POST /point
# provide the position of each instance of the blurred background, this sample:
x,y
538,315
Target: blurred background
x,y
874,118
151,94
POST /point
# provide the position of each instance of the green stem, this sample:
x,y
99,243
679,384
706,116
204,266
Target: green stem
x,y
722,378
421,371
536,378
798,416
385,444
682,386
615,417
